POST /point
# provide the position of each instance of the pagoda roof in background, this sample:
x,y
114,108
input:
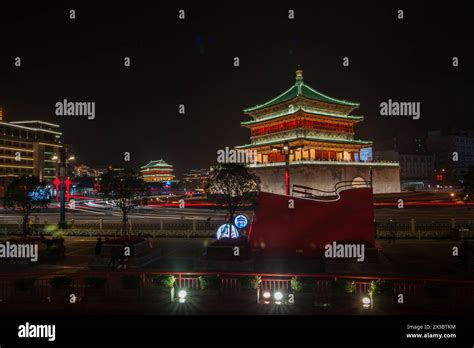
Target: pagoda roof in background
x,y
157,164
301,89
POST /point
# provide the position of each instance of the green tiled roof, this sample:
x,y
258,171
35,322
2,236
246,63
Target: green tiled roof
x,y
285,113
328,140
157,164
301,89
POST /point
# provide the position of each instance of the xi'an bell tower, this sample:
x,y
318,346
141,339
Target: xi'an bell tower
x,y
311,135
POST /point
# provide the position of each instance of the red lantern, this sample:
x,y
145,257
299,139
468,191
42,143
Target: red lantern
x,y
56,183
67,182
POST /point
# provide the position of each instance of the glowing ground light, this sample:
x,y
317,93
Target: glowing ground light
x,y
266,297
182,296
278,296
366,302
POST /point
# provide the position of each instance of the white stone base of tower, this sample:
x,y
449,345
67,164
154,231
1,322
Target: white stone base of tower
x,y
323,175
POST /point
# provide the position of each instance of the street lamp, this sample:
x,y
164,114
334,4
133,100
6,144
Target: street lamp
x,y
286,150
62,178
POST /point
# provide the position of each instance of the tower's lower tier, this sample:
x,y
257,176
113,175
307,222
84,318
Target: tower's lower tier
x,y
324,175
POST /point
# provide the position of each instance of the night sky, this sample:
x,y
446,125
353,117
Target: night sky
x,y
190,62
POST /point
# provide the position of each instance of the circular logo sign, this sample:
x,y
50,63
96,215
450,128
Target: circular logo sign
x,y
241,221
227,231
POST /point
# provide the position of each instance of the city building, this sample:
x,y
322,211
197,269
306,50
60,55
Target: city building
x,y
416,170
316,132
83,170
454,154
29,148
195,179
157,171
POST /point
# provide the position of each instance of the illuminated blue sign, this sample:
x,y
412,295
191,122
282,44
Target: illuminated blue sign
x,y
366,154
227,231
40,195
241,221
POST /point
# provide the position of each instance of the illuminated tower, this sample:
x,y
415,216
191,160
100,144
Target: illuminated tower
x,y
315,127
314,134
157,171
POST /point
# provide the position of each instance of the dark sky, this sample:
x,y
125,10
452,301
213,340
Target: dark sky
x,y
191,62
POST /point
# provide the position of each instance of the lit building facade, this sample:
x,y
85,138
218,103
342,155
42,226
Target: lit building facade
x,y
195,179
416,170
316,132
453,150
29,148
157,171
83,170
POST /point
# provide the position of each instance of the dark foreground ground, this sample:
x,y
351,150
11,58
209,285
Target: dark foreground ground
x,y
417,259
422,258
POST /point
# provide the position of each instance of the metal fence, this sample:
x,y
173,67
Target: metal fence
x,y
424,229
160,228
412,288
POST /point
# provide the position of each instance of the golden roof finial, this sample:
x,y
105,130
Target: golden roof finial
x,y
299,74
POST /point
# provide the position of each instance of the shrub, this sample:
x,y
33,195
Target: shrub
x,y
301,284
341,287
95,282
209,282
164,281
60,282
250,282
58,235
380,287
55,247
131,281
25,284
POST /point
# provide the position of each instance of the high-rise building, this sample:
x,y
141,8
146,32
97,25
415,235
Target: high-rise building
x,y
29,147
316,132
454,153
416,170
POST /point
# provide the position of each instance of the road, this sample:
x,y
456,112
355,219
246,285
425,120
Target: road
x,y
384,213
88,214
432,208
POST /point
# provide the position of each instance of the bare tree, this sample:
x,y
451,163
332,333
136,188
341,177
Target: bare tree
x,y
26,194
125,189
233,187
